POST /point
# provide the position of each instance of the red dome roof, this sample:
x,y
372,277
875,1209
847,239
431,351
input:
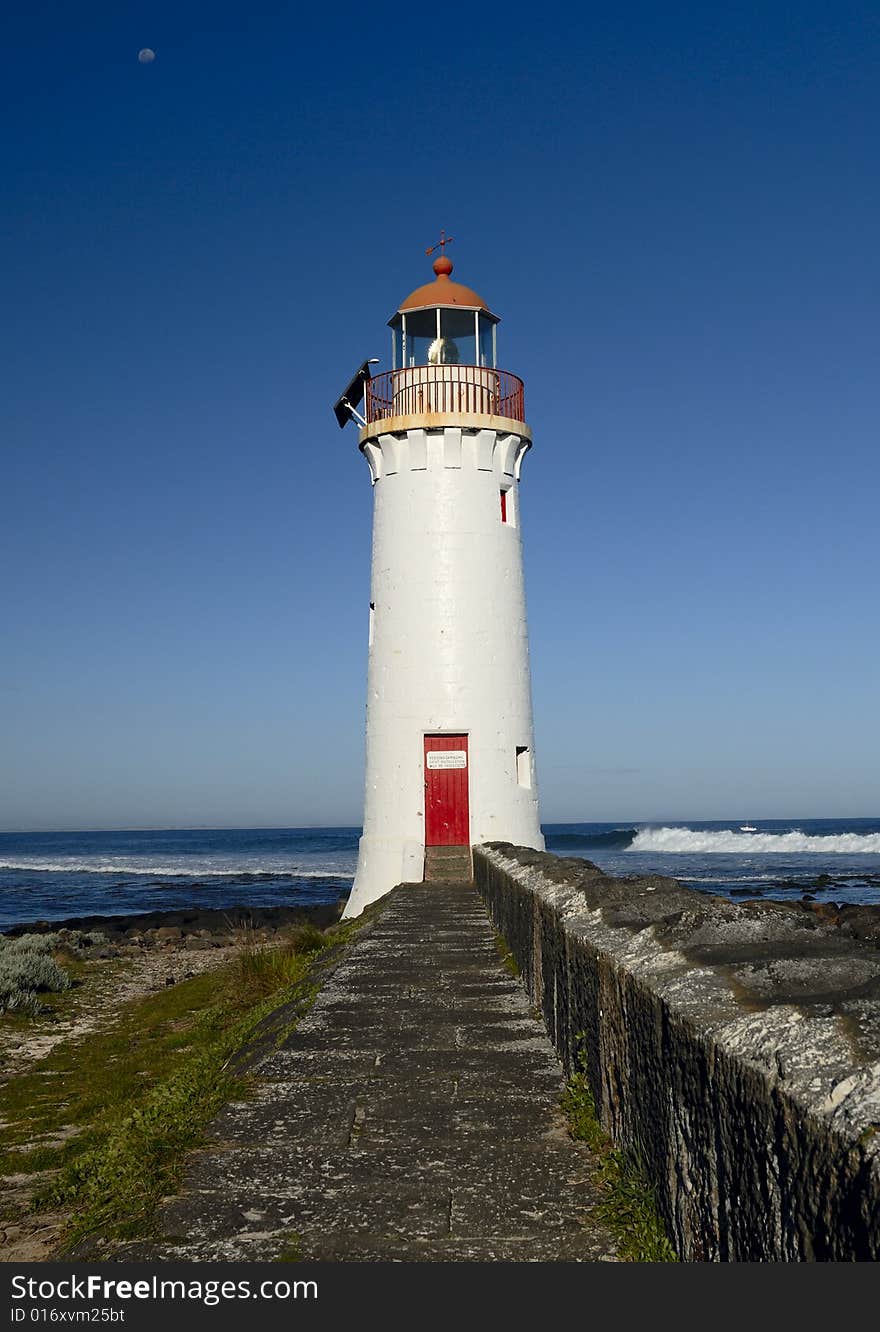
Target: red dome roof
x,y
443,292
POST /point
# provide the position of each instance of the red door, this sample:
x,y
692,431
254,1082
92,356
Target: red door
x,y
447,819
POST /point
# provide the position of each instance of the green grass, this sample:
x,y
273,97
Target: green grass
x,y
292,1250
628,1205
508,961
135,1098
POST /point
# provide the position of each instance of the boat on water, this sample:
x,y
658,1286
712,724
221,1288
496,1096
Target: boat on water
x,y
747,827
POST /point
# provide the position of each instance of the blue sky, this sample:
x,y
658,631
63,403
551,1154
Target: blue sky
x,y
674,208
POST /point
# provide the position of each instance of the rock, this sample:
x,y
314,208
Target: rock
x,y
860,921
168,933
214,921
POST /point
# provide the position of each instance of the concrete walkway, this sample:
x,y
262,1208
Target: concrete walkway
x,y
413,1115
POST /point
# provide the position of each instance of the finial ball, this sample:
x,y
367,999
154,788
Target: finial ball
x,y
442,266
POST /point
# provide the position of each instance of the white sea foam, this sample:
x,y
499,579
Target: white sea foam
x,y
683,841
193,870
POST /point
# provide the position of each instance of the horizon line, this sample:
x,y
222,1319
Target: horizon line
x,y
338,827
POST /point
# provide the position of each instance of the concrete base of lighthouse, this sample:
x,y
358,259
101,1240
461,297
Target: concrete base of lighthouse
x,y
383,862
448,642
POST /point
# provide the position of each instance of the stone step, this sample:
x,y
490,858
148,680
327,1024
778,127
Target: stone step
x,y
447,863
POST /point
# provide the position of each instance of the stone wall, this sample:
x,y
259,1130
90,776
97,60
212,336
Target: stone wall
x,y
734,1046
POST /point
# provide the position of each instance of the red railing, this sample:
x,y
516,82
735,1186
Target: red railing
x,y
445,389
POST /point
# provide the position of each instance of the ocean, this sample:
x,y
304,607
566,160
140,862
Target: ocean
x,y
53,875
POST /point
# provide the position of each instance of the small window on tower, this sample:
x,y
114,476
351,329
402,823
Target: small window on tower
x,y
504,506
523,765
507,510
372,619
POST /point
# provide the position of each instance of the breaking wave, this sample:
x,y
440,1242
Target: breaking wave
x,y
683,841
191,871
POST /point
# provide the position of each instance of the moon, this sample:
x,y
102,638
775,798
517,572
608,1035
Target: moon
x,y
146,56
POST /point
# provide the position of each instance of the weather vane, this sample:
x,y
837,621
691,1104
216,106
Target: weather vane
x,y
443,241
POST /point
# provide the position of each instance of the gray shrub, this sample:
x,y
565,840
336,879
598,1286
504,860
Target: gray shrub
x,y
25,973
31,943
22,1001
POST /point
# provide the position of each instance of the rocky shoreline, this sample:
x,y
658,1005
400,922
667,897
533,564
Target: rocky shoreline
x,y
856,920
195,928
198,929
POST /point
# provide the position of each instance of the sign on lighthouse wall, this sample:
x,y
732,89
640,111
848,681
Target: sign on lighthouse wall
x,y
449,711
456,758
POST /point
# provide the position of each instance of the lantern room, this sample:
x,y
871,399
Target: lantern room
x,y
443,323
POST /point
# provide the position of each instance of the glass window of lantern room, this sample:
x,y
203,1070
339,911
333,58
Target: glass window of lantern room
x,y
420,329
487,341
457,344
397,345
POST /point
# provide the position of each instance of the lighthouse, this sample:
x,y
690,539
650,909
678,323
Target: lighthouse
x,y
450,757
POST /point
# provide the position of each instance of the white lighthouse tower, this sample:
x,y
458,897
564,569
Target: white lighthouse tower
x,y
450,751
